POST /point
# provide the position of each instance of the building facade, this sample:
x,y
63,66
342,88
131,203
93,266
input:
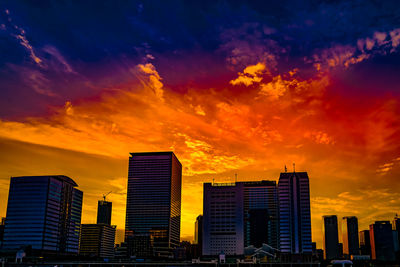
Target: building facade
x,y
97,240
198,234
330,237
294,213
43,212
381,237
104,209
350,236
153,208
365,243
261,213
223,219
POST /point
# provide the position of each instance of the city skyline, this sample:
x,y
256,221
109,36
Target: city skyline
x,y
231,87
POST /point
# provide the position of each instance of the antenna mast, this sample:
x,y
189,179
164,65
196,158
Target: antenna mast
x,y
104,195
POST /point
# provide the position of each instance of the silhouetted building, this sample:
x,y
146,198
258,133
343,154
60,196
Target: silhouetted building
x,y
153,209
43,212
365,244
350,236
2,226
330,237
198,234
340,250
381,238
97,240
260,213
104,209
223,219
396,227
294,213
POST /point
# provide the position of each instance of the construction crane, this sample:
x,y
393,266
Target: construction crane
x,y
104,195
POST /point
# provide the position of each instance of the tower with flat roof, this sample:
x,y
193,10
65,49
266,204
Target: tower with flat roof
x,y
331,237
43,212
153,208
294,213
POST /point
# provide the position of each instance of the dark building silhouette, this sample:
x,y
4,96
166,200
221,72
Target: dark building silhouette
x,y
198,234
2,226
350,236
294,213
260,213
104,209
97,240
365,244
153,209
381,237
396,228
223,219
43,212
330,237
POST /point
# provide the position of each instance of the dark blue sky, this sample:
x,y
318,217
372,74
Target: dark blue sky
x,y
86,46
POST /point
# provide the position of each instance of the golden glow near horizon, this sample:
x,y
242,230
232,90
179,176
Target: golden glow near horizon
x,y
216,133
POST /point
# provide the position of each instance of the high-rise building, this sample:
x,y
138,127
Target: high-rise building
x,y
260,213
365,244
257,223
43,212
198,234
2,226
153,208
330,237
97,240
104,209
381,237
294,213
350,236
396,229
223,219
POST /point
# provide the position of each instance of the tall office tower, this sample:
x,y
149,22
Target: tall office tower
x,y
2,225
223,219
365,244
381,237
350,236
104,209
153,208
44,212
330,237
294,213
396,228
97,240
198,234
260,213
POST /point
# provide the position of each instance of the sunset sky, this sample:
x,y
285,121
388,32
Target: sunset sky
x,y
230,87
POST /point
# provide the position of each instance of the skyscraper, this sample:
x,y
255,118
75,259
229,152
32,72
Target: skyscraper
x,y
239,214
97,240
153,208
223,219
350,236
198,234
381,237
330,237
294,213
260,213
104,209
44,212
365,244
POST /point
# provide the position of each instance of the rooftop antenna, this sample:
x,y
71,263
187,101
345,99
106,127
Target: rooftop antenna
x,y
294,167
104,195
235,177
285,168
213,181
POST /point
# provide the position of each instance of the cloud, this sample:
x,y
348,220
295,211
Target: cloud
x,y
251,74
153,78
